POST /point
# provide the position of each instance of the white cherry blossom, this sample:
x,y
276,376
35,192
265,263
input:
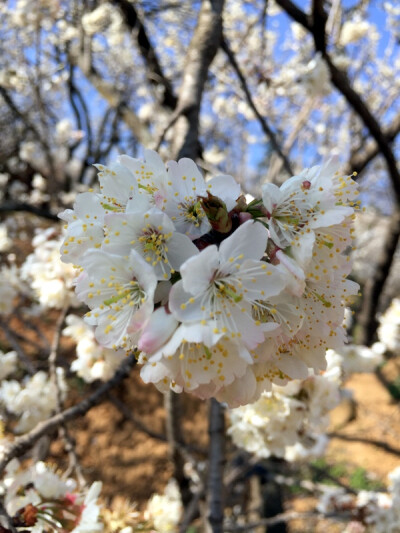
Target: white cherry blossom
x,y
222,285
119,292
153,235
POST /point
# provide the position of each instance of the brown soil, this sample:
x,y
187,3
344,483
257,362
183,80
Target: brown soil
x,y
134,465
113,448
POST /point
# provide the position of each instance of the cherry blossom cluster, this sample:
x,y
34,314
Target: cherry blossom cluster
x,y
291,421
92,360
33,400
222,297
370,512
50,280
38,498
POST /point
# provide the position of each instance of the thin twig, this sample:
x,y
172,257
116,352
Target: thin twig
x,y
185,448
191,510
367,152
154,72
174,117
263,123
9,207
33,327
21,444
55,344
278,519
69,444
372,442
301,119
315,24
127,413
12,339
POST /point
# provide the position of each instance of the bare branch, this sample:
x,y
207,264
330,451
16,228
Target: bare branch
x,y
154,72
173,408
278,519
174,117
301,119
109,93
373,442
216,430
21,444
69,444
28,124
316,26
263,123
12,339
10,206
375,284
127,413
202,50
365,154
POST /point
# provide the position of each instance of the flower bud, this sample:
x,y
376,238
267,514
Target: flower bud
x,y
157,331
217,213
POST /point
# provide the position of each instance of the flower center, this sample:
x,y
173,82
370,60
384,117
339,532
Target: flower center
x,y
192,211
154,244
126,294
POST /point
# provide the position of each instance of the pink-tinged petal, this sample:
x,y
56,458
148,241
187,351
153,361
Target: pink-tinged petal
x,y
226,188
157,331
249,241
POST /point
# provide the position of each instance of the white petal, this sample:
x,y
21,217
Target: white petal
x,y
180,249
250,239
271,195
226,188
179,306
197,272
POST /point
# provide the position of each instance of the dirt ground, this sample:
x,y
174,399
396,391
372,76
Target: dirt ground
x,y
115,447
134,465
